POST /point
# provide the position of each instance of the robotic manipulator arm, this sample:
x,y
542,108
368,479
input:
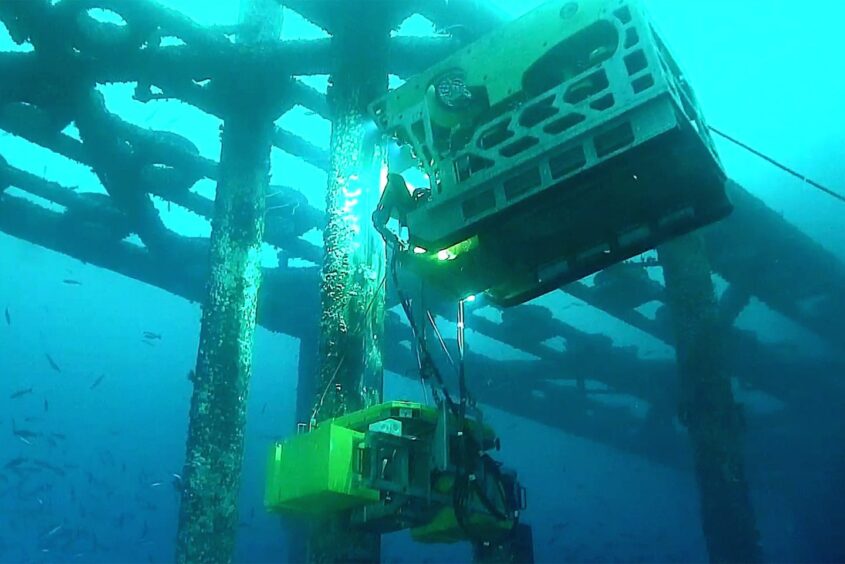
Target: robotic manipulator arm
x,y
395,203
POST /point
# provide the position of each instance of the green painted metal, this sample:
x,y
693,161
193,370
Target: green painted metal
x,y
321,473
360,420
444,528
314,473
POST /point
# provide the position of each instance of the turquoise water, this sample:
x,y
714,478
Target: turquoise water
x,y
115,416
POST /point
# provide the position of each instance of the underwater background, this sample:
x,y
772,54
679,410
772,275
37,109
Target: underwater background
x,y
107,357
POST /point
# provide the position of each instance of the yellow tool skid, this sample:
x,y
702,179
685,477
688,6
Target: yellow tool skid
x,y
313,473
444,528
318,472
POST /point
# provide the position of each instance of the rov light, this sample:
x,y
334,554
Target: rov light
x,y
451,253
470,298
419,251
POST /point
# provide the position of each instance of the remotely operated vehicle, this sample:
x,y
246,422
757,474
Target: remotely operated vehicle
x,y
564,142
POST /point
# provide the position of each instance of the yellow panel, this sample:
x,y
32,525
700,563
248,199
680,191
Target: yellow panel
x,y
314,472
444,528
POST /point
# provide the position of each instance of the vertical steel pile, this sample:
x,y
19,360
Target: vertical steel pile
x,y
353,275
208,519
706,404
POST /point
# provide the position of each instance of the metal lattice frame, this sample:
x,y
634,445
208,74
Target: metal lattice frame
x,y
42,92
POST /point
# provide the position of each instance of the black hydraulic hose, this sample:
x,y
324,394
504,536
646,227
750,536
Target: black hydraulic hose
x,y
466,482
462,384
428,365
439,336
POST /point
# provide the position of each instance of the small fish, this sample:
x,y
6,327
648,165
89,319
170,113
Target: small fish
x,y
53,531
8,317
107,458
50,467
24,440
152,336
21,393
23,432
155,484
97,381
52,362
15,462
72,282
46,406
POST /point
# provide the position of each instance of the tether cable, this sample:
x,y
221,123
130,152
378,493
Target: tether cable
x,y
783,167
